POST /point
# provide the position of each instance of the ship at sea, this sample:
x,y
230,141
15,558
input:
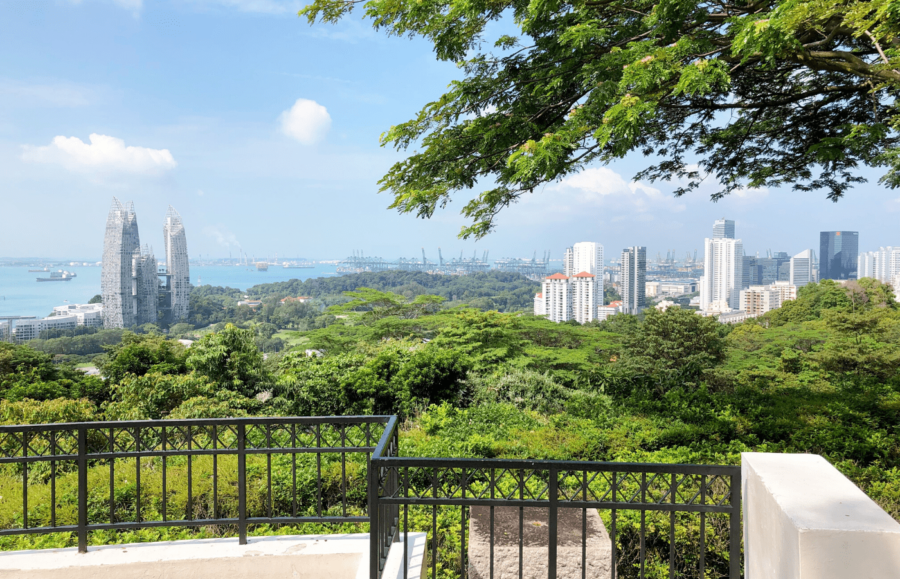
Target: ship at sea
x,y
301,265
59,276
262,266
46,269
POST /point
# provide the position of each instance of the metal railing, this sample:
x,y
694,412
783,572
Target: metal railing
x,y
676,497
101,465
654,519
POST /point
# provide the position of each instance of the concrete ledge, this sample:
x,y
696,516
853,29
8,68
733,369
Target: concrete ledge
x,y
803,519
294,557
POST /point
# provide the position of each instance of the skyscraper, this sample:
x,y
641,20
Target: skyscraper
x,y
838,254
803,268
882,264
120,245
723,274
723,229
178,275
130,284
633,279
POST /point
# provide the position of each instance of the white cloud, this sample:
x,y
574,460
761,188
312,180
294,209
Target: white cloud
x,y
102,154
222,235
596,194
601,186
709,185
307,121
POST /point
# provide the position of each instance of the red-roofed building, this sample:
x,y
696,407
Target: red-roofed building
x,y
567,298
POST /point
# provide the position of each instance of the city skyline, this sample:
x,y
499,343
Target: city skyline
x,y
285,158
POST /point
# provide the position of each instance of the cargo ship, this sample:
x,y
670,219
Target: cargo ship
x,y
59,276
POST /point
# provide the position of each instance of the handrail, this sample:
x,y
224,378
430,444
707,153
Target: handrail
x,y
663,492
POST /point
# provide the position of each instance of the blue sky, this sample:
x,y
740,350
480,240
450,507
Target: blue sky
x,y
263,132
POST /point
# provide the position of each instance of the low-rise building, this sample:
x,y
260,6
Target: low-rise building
x,y
677,288
665,304
31,329
90,315
652,289
298,299
606,312
250,303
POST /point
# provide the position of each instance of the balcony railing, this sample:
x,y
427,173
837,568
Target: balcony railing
x,y
661,519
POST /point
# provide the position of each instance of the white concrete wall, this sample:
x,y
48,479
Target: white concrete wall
x,y
803,519
288,557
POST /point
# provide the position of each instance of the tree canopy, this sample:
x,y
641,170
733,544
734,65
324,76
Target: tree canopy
x,y
748,93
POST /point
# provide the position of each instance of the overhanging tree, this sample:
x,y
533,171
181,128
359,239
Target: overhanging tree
x,y
759,93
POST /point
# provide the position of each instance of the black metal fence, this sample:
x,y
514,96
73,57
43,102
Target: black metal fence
x,y
190,473
662,520
655,520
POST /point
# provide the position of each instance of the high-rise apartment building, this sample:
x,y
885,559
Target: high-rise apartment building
x,y
723,274
586,257
759,299
633,279
120,245
803,268
130,278
785,290
723,229
838,254
565,298
177,288
882,264
556,298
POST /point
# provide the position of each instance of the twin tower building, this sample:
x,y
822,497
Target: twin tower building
x,y
135,289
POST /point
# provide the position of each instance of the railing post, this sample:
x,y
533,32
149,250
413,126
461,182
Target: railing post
x,y
374,537
82,490
552,519
734,555
242,483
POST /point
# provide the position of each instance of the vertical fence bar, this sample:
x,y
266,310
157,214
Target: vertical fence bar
x,y
734,556
553,521
190,477
165,492
374,538
53,479
215,467
242,483
82,490
672,489
112,476
612,534
25,480
702,527
137,474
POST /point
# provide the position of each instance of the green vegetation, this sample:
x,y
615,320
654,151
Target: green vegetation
x,y
820,375
750,94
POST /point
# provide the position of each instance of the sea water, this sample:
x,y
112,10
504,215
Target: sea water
x,y
22,295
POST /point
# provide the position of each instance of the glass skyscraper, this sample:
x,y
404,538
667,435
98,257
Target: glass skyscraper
x,y
723,229
838,253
